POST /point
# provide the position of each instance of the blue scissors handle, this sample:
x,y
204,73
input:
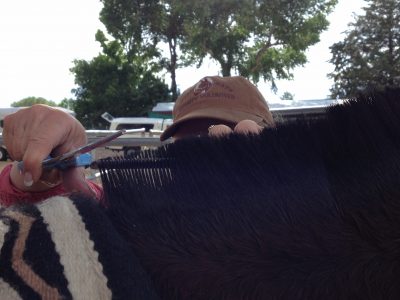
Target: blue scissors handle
x,y
82,160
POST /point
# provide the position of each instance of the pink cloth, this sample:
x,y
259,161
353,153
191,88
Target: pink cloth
x,y
10,195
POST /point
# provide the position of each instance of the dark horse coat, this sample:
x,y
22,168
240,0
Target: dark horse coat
x,y
307,210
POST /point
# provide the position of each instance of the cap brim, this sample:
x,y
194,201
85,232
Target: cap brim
x,y
225,115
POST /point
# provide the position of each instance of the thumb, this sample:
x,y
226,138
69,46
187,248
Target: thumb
x,y
33,157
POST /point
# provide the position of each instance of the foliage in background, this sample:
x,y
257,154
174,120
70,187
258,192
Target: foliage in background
x,y
29,101
67,103
261,40
141,25
287,96
115,82
369,56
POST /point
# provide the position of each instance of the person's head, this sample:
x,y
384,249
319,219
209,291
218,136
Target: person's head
x,y
217,100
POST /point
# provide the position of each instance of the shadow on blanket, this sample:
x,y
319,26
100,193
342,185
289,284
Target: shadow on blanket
x,y
309,210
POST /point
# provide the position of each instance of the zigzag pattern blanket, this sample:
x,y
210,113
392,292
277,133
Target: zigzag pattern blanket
x,y
66,249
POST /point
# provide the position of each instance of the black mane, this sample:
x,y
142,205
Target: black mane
x,y
307,210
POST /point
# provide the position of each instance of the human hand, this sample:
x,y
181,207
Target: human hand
x,y
31,135
243,127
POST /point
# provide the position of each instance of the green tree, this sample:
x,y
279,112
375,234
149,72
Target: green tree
x,y
67,103
141,25
257,39
287,96
29,101
116,83
369,56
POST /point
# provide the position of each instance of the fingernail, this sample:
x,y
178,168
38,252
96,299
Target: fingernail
x,y
28,180
20,169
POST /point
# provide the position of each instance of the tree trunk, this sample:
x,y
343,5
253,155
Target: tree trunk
x,y
172,67
226,70
226,66
391,51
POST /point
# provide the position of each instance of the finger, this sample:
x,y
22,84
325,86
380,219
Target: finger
x,y
71,135
33,133
219,130
49,179
33,157
247,127
14,138
39,149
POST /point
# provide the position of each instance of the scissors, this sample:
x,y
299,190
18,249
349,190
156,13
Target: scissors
x,y
75,158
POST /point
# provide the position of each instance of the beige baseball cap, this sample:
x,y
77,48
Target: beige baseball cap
x,y
229,99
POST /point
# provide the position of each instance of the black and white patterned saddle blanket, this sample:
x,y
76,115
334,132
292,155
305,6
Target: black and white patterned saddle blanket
x,y
66,249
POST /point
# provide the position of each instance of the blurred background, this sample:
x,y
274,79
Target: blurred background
x,y
125,57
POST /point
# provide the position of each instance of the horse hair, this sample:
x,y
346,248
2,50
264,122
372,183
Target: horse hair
x,y
307,210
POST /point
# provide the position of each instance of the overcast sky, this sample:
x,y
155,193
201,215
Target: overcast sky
x,y
40,39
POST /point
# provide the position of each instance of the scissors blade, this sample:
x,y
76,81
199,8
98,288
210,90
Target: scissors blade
x,y
84,149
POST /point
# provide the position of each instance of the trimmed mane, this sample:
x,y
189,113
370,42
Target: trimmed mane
x,y
307,210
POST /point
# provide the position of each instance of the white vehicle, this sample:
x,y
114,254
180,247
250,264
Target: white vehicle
x,y
150,128
288,110
162,110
